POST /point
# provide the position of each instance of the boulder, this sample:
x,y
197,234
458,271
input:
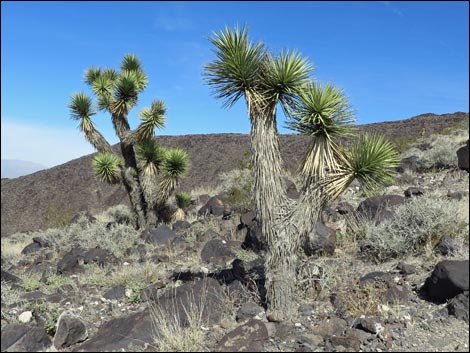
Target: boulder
x,y
447,246
249,310
371,206
205,294
248,337
458,306
457,195
122,334
219,252
99,256
414,191
22,338
10,278
462,156
215,206
36,245
69,264
114,293
181,225
70,330
255,239
448,279
322,241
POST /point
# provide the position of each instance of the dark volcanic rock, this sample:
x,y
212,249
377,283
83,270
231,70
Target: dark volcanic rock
x,y
115,293
462,155
414,191
215,206
10,278
448,279
248,337
447,246
219,252
70,330
254,239
20,338
373,205
122,334
322,241
458,306
69,263
181,225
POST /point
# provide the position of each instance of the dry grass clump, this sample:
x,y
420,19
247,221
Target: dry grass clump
x,y
180,331
357,300
417,225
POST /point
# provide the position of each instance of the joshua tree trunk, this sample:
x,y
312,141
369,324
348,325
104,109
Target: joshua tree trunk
x,y
273,212
135,195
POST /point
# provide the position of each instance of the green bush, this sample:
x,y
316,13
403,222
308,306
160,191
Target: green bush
x,y
183,200
57,217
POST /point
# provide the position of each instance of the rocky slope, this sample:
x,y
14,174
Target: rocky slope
x,y
28,203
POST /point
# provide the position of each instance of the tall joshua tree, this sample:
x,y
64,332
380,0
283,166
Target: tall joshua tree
x,y
244,69
142,158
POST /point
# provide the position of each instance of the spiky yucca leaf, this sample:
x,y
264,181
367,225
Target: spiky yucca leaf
x,y
107,167
322,110
131,62
126,90
110,74
284,75
102,86
150,156
234,72
91,74
80,106
176,163
320,159
150,119
183,199
372,160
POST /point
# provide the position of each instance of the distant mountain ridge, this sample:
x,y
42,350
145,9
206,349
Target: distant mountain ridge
x,y
72,187
13,168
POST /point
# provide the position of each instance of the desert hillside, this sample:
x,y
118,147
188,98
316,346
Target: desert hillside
x,y
28,203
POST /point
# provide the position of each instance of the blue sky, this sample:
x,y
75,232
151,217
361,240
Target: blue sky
x,y
393,59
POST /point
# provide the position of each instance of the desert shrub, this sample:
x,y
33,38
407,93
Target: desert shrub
x,y
442,154
236,185
418,223
121,214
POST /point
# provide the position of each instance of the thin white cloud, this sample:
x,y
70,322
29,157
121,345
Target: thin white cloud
x,y
392,8
173,23
49,146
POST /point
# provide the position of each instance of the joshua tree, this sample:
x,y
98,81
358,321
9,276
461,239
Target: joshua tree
x,y
143,159
246,69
